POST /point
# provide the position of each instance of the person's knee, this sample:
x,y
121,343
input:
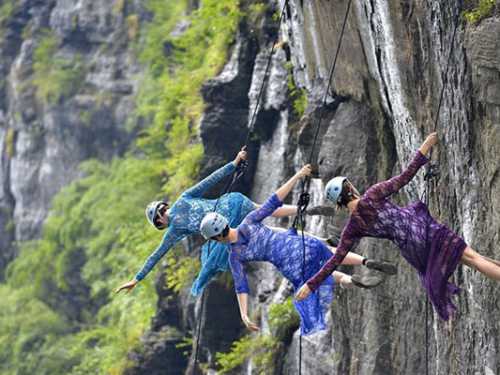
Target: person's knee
x,y
471,258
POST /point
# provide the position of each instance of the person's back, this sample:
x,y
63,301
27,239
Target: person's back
x,y
284,249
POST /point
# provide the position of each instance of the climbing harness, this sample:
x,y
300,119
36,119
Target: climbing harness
x,y
240,170
433,172
304,196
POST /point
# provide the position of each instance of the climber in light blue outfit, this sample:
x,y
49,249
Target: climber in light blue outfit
x,y
184,218
253,241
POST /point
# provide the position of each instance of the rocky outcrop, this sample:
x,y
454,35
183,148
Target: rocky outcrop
x,y
383,101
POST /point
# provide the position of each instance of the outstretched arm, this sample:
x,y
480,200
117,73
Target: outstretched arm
x,y
243,304
347,242
393,185
287,187
241,287
215,177
170,238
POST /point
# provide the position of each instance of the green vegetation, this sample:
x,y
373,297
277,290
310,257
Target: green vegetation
x,y
10,137
55,77
7,10
261,349
256,12
483,10
298,96
133,27
182,270
283,319
58,312
118,6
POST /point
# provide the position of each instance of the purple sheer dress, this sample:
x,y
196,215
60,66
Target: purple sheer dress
x,y
430,247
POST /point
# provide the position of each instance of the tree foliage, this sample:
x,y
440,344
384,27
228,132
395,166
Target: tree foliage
x,y
58,312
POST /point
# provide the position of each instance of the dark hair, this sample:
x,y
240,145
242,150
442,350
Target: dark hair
x,y
346,195
222,234
161,211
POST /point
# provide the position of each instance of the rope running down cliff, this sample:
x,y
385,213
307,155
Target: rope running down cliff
x,y
304,195
240,170
432,171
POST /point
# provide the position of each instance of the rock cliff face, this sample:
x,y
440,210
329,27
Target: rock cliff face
x,y
44,138
382,103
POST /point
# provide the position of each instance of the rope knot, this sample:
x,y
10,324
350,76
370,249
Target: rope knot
x,y
303,202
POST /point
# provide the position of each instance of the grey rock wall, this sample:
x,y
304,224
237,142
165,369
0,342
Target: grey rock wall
x,y
383,102
43,142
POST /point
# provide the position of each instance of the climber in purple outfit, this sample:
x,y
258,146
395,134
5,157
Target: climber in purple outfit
x,y
430,247
253,241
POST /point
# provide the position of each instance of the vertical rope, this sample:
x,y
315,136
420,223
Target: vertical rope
x,y
266,73
304,195
238,173
202,308
431,172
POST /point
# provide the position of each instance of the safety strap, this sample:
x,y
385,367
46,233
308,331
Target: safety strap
x,y
304,196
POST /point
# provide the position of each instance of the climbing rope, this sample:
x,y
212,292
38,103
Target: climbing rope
x,y
266,74
240,171
236,176
304,196
433,171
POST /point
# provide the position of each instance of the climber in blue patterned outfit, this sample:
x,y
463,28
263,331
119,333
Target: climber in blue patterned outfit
x,y
184,217
253,241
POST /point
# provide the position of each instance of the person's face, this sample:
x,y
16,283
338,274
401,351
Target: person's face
x,y
161,219
219,238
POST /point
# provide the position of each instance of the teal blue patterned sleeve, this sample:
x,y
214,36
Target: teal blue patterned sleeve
x,y
208,182
170,238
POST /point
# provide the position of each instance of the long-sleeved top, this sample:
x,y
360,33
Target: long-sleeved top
x,y
188,211
431,248
284,250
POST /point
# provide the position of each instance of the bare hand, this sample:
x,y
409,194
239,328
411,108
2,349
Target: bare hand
x,y
306,170
127,286
242,155
249,324
303,293
430,141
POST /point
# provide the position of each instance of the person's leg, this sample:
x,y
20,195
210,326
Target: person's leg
x,y
474,260
351,259
492,260
342,278
291,210
366,282
285,210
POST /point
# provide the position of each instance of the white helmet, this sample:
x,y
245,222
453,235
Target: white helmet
x,y
212,225
152,210
334,188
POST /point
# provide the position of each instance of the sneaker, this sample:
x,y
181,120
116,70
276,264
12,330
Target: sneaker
x,y
321,210
381,266
366,282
